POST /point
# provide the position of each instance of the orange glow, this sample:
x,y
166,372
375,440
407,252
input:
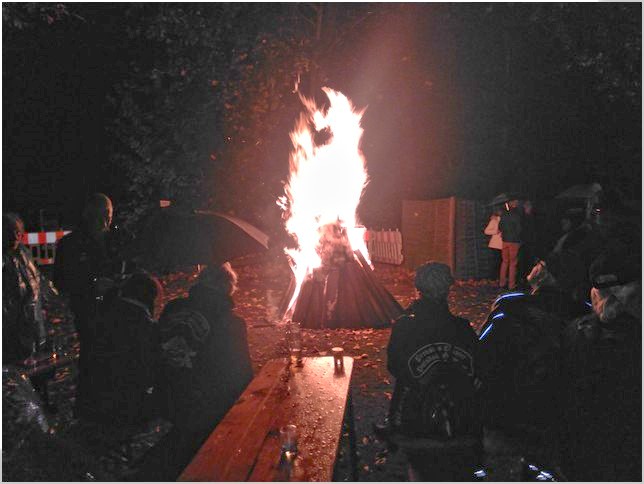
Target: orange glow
x,y
325,184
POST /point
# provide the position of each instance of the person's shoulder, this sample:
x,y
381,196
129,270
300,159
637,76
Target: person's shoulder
x,y
180,316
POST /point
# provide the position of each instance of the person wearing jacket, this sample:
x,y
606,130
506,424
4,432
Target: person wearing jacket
x,y
121,357
431,351
510,227
205,362
23,319
601,424
496,241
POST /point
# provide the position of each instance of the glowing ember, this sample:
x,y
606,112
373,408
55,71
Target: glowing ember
x,y
324,188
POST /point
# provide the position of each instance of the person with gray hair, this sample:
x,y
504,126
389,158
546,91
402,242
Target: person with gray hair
x,y
432,356
205,364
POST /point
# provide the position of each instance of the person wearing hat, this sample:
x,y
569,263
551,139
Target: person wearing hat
x,y
602,376
430,351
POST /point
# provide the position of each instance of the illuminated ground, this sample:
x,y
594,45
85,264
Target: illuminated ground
x,y
262,282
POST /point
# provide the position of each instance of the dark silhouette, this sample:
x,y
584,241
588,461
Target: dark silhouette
x,y
205,363
529,241
432,355
121,357
510,228
602,377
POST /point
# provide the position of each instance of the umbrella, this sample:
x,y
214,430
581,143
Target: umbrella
x,y
502,198
173,238
581,191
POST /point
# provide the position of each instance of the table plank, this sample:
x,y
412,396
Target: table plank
x,y
245,445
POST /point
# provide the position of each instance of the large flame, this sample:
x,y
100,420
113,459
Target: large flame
x,y
325,182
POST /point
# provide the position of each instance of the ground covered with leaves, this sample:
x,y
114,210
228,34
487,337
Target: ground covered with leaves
x,y
262,284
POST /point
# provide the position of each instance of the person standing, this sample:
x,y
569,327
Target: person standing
x,y
82,271
529,233
23,319
510,227
496,241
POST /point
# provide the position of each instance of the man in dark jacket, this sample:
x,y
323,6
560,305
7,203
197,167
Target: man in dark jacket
x,y
122,357
510,228
205,361
602,377
83,264
432,355
82,270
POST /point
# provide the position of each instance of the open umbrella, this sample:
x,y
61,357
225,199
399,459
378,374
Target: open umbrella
x,y
581,191
502,198
172,238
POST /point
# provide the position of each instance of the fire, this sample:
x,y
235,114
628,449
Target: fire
x,y
326,182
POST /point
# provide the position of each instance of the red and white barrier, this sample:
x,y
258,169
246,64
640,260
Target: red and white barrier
x,y
385,246
43,245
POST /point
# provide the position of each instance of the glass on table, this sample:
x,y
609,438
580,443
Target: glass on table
x,y
338,359
288,440
295,342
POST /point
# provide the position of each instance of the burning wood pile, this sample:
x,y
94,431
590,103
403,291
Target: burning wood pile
x,y
333,284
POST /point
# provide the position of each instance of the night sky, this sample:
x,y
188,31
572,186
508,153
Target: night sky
x,y
462,99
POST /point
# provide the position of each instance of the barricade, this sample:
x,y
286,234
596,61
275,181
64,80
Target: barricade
x,y
43,245
384,246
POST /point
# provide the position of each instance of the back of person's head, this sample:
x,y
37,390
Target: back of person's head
x,y
616,285
144,288
97,213
221,280
433,280
12,229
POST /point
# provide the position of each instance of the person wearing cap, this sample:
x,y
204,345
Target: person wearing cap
x,y
205,362
602,376
431,349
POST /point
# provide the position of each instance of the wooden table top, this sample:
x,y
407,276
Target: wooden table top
x,y
245,446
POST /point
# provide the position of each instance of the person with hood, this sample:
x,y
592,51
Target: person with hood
x,y
432,355
23,319
205,361
510,228
122,358
602,376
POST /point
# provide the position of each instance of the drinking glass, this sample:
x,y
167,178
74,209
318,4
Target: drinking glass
x,y
288,440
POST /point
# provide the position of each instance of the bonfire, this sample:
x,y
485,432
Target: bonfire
x,y
333,283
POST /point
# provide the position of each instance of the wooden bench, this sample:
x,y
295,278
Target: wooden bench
x,y
245,446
